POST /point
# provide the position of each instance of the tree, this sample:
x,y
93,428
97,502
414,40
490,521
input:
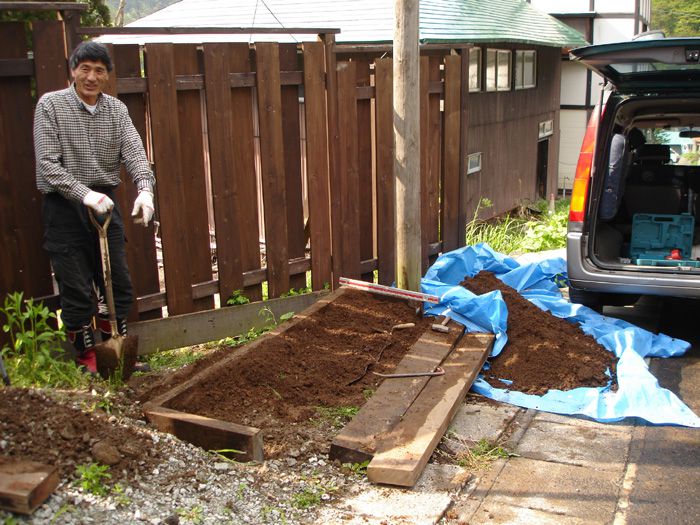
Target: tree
x,y
676,17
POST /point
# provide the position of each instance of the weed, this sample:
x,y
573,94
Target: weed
x,y
10,520
222,454
237,298
308,497
357,468
120,498
481,455
194,514
92,478
65,508
34,356
240,491
367,392
336,417
105,404
172,359
296,291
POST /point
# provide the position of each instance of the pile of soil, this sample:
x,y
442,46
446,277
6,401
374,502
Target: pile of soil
x,y
37,427
543,352
318,362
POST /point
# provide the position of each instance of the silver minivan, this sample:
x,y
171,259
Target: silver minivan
x,y
633,223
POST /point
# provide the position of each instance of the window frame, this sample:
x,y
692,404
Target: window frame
x,y
475,63
473,169
495,58
520,70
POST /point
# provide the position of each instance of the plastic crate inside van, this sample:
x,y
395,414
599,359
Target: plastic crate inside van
x,y
655,235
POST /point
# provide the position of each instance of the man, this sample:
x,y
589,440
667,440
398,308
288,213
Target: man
x,y
81,137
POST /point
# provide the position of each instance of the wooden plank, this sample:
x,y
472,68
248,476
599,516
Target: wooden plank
x,y
244,170
189,110
208,433
424,162
291,135
141,248
333,155
317,164
405,450
50,59
386,200
272,163
172,199
348,176
366,205
466,195
24,265
434,154
358,440
16,67
222,161
196,328
24,485
449,225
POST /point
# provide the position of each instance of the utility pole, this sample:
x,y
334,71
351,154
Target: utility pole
x,y
407,144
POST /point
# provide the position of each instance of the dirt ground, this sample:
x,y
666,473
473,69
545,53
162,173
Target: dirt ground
x,y
543,352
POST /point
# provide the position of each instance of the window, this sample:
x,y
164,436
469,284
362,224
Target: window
x,y
475,69
525,69
497,70
474,163
545,129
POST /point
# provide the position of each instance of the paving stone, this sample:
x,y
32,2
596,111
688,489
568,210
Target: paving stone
x,y
577,443
578,492
475,421
584,422
424,504
499,513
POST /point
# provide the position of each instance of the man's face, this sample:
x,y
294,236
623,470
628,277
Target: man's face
x,y
90,78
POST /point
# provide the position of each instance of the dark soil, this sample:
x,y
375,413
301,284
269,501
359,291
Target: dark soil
x,y
279,386
543,352
37,427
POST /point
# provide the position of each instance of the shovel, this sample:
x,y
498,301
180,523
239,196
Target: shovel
x,y
118,354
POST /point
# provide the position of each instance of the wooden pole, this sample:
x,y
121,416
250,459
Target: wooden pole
x,y
407,144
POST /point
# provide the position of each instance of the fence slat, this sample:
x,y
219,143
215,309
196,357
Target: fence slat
x,y
24,266
50,66
434,154
424,161
222,161
172,196
189,108
317,164
386,244
364,165
450,164
244,167
467,188
292,162
272,163
348,173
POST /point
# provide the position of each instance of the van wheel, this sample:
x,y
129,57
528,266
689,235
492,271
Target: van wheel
x,y
592,300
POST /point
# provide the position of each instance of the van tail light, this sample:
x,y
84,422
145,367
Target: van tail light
x,y
579,193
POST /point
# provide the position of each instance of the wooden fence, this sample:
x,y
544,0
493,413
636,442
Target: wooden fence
x,y
223,124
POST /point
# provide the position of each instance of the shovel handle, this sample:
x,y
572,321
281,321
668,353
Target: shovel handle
x,y
106,266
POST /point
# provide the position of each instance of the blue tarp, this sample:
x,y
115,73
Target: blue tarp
x,y
638,393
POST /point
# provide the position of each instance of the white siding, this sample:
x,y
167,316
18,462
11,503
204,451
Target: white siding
x,y
557,6
572,125
573,84
606,30
614,6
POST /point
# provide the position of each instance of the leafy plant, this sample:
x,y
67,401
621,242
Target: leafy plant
x,y
195,514
336,417
120,497
237,298
92,478
296,291
357,468
34,356
306,498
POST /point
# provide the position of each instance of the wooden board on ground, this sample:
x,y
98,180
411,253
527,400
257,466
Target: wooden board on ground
x,y
208,433
24,485
403,452
357,441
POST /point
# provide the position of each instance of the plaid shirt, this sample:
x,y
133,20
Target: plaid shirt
x,y
76,150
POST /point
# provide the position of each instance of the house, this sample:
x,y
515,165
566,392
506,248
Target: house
x,y
514,51
601,22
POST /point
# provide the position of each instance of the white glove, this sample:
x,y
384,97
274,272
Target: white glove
x,y
143,206
98,202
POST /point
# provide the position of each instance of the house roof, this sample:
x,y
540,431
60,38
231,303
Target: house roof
x,y
363,21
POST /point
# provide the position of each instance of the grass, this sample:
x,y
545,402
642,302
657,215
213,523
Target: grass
x,y
482,455
528,229
173,359
336,417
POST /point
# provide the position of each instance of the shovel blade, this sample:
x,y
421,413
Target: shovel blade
x,y
117,356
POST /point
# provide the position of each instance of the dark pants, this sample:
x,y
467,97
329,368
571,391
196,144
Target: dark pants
x,y
73,246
